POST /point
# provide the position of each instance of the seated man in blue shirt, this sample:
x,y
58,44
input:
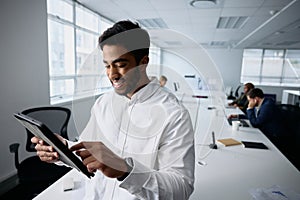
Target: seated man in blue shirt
x,y
264,114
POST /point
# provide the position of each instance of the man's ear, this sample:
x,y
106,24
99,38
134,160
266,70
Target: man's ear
x,y
144,60
143,63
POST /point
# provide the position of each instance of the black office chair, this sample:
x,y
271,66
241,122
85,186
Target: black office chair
x,y
291,119
271,96
32,170
236,93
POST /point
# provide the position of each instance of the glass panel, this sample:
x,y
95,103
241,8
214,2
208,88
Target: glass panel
x,y
61,88
85,45
292,67
273,63
154,68
254,53
87,19
61,49
91,85
251,62
270,81
62,9
251,66
104,24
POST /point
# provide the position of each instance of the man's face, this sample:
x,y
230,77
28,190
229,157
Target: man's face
x,y
121,69
162,83
253,101
246,89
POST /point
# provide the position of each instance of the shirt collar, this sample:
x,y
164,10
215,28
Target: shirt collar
x,y
146,92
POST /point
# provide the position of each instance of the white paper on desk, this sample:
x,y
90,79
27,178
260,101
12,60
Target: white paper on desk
x,y
274,193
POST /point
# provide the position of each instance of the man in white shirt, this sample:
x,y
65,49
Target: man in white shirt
x,y
139,140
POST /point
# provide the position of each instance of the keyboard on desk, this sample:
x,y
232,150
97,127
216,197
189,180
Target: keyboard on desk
x,y
243,122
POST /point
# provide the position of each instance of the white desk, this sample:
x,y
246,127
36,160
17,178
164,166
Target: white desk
x,y
229,173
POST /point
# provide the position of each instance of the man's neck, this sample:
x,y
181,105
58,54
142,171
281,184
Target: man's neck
x,y
129,95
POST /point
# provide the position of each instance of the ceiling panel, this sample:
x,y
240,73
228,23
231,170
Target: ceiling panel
x,y
201,23
134,5
144,14
238,11
279,3
242,3
168,5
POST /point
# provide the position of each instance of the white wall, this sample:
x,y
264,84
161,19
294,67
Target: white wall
x,y
229,63
24,74
211,64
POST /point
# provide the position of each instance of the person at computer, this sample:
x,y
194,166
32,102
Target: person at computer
x,y
139,140
242,101
263,113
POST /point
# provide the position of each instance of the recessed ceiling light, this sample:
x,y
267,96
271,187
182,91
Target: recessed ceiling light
x,y
273,12
203,3
278,32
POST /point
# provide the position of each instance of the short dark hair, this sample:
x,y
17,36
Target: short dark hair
x,y
249,86
128,34
162,77
255,92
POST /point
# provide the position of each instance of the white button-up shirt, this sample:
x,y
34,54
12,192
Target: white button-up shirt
x,y
155,130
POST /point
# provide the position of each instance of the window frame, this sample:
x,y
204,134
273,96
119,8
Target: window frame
x,y
260,79
103,24
64,97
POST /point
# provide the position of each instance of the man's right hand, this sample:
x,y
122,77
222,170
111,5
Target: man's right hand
x,y
232,116
44,151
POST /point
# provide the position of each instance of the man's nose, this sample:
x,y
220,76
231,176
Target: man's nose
x,y
113,72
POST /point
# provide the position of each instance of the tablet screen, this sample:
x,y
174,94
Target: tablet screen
x,y
42,131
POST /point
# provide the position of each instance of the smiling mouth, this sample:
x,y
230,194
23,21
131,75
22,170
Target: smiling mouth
x,y
117,84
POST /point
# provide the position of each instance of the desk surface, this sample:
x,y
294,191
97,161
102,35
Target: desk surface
x,y
224,173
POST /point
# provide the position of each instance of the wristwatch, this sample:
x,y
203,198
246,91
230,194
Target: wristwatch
x,y
129,164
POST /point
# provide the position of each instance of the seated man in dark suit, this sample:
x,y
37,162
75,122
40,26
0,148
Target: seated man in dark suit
x,y
265,115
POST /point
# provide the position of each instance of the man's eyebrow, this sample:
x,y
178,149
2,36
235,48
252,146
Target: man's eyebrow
x,y
117,60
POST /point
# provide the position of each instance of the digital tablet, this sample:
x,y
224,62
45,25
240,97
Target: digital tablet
x,y
255,145
42,131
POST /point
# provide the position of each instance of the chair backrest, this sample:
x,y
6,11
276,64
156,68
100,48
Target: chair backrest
x,y
271,96
55,118
236,93
291,117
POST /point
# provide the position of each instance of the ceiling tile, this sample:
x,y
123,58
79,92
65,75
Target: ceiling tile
x,y
134,5
196,13
201,23
168,5
276,2
144,14
242,3
238,11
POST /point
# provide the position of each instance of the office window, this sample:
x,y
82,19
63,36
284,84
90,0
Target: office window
x,y
74,65
154,67
274,67
73,31
291,68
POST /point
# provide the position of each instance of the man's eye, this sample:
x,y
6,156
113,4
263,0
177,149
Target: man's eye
x,y
121,65
107,66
